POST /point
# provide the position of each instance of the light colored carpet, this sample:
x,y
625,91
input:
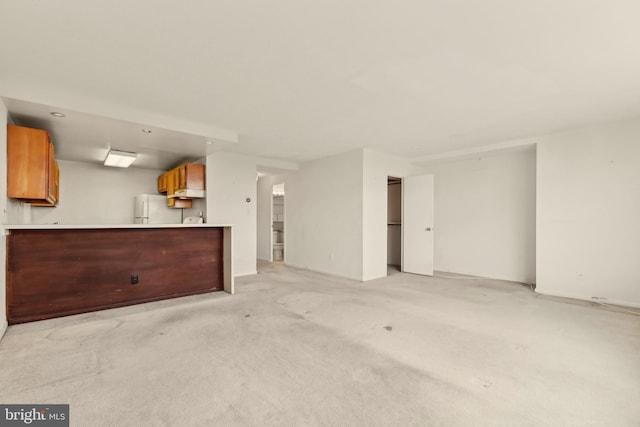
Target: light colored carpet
x,y
296,348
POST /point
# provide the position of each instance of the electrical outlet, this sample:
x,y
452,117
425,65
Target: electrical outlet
x,y
134,279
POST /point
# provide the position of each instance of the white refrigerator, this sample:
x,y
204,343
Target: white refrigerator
x,y
152,209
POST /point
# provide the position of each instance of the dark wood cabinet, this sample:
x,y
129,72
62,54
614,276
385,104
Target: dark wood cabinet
x,y
58,272
32,171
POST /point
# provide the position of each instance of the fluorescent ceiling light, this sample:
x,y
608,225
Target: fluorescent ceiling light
x,y
120,159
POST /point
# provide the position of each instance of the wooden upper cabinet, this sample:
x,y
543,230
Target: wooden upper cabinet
x,y
191,177
184,182
32,171
170,181
54,187
179,203
162,183
182,177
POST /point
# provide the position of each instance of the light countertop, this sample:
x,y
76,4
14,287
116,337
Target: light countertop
x,y
96,226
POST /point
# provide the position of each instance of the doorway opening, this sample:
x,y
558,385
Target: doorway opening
x,y
277,223
394,224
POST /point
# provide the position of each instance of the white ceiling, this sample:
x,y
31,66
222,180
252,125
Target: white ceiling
x,y
301,79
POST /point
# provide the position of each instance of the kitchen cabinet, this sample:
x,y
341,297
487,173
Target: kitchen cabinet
x,y
53,272
182,177
184,182
188,181
168,178
168,182
179,203
32,171
162,183
54,188
172,178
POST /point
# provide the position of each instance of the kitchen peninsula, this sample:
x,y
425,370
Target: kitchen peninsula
x,y
59,270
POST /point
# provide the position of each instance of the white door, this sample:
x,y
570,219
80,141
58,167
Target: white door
x,y
417,225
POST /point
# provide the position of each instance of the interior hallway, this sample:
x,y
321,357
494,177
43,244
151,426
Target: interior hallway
x,y
294,347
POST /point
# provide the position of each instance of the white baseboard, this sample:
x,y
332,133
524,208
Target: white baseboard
x,y
504,279
591,299
3,328
329,273
365,279
246,274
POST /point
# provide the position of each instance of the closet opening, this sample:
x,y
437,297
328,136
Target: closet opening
x,y
277,222
394,224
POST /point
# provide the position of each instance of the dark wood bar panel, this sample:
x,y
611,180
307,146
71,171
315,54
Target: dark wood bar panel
x,y
58,272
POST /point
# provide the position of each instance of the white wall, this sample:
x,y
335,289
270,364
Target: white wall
x,y
94,194
198,206
589,213
323,221
231,179
11,212
377,167
324,217
263,217
18,212
5,216
484,216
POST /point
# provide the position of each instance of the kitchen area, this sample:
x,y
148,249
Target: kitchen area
x,y
86,236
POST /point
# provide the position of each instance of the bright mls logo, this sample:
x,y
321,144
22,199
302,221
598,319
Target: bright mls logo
x,y
34,415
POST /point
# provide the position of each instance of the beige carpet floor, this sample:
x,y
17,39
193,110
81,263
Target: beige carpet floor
x,y
296,348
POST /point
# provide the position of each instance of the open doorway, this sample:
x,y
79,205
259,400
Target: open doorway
x,y
277,223
394,224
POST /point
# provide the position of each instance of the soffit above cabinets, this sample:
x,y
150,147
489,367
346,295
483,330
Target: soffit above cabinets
x,y
88,138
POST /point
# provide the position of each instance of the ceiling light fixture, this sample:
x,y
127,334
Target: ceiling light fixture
x,y
56,114
146,130
209,142
120,159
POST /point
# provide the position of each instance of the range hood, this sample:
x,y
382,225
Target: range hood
x,y
187,193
